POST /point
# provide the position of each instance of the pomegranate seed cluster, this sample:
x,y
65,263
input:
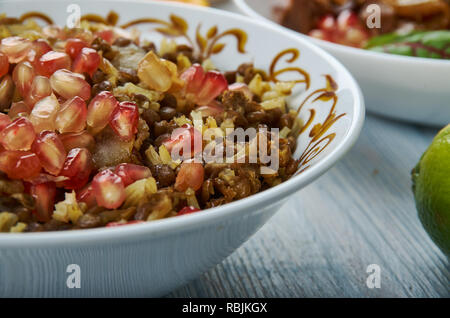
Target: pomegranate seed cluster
x,y
89,119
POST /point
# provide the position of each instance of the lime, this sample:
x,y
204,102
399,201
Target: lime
x,y
431,187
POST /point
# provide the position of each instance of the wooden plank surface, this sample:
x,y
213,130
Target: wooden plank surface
x,y
360,213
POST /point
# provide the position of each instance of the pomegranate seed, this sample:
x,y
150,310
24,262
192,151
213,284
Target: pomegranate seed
x,y
191,175
187,210
184,138
109,189
44,196
241,87
327,23
87,61
203,87
6,91
68,84
15,48
19,164
347,19
19,135
23,75
107,35
44,113
18,109
52,31
39,47
87,196
81,139
50,151
45,177
130,173
72,116
124,120
40,88
99,111
52,61
4,64
77,168
4,121
213,109
116,224
74,47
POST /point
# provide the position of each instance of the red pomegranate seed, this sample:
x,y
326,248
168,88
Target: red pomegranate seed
x,y
50,151
241,87
4,121
44,196
74,47
99,111
4,64
19,164
40,88
15,48
77,168
87,196
44,113
38,48
18,109
6,91
213,109
116,224
23,75
86,62
187,210
191,175
52,61
124,120
72,116
68,84
107,35
327,23
130,173
203,87
109,189
19,135
81,139
186,137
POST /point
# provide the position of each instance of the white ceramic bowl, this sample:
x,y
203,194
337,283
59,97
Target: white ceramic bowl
x,y
406,88
152,259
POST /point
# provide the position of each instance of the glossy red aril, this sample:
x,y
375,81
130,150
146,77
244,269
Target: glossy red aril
x,y
77,168
124,120
50,151
15,48
68,84
18,109
72,116
38,48
44,196
40,88
5,120
23,75
44,113
52,61
87,61
187,210
203,87
191,175
87,196
107,35
184,141
4,64
99,111
74,47
130,173
213,109
108,189
116,224
81,139
19,135
19,164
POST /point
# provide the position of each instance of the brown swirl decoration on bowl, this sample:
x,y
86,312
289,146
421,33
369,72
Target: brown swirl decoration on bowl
x,y
209,44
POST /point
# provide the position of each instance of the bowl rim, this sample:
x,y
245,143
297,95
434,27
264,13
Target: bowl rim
x,y
343,49
90,237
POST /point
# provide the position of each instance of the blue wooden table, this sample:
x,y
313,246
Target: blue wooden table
x,y
323,240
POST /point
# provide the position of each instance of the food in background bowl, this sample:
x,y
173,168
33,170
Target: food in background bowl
x,y
412,27
92,119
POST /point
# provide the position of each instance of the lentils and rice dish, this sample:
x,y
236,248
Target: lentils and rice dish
x,y
87,121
